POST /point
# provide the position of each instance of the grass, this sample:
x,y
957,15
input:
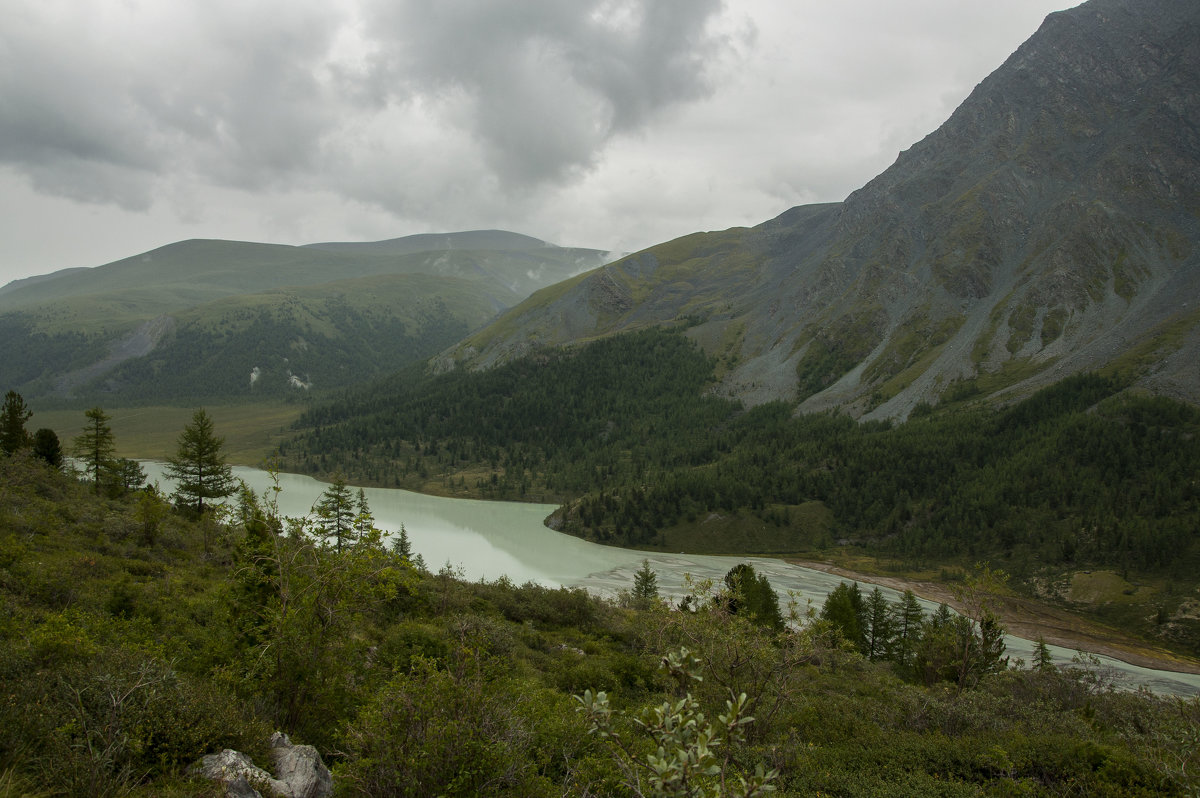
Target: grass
x,y
251,431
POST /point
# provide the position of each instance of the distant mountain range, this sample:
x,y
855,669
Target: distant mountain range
x,y
1050,226
207,319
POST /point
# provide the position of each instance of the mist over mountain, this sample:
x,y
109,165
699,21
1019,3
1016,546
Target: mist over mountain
x,y
1048,227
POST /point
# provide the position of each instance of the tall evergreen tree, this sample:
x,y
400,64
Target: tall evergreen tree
x,y
645,585
336,513
95,446
198,467
1042,661
12,423
880,621
907,619
401,545
845,610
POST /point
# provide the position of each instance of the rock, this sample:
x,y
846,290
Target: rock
x,y
299,771
301,768
237,771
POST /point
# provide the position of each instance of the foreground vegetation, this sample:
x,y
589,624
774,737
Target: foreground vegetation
x,y
1082,475
129,650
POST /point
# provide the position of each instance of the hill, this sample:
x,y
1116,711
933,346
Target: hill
x,y
1047,228
193,320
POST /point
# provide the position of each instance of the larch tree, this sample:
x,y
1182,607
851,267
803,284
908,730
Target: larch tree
x,y
336,513
95,446
198,467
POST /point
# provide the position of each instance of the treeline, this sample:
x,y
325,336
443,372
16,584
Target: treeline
x,y
126,656
553,425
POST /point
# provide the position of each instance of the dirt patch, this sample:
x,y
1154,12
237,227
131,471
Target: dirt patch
x,y
1029,619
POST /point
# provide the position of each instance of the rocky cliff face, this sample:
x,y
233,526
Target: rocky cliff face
x,y
1049,226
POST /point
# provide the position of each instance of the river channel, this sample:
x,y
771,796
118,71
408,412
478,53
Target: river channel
x,y
487,540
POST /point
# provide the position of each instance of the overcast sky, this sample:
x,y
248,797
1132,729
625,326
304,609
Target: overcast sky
x,y
616,124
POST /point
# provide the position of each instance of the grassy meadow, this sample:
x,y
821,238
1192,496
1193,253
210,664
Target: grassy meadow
x,y
251,431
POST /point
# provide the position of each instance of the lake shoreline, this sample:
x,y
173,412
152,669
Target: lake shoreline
x,y
1030,620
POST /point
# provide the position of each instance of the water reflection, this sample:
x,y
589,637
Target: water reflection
x,y
488,540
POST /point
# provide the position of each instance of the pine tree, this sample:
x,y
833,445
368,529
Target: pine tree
x,y
198,467
95,446
12,423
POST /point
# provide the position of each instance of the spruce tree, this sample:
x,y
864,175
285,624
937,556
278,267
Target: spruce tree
x,y
95,446
198,467
12,423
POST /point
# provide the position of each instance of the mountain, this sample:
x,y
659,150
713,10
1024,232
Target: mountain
x,y
196,319
1049,227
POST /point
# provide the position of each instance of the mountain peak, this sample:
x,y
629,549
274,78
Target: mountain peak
x,y
1047,227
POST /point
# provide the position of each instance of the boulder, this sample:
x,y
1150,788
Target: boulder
x,y
299,772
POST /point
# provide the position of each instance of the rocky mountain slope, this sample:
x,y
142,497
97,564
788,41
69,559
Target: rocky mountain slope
x,y
1049,226
224,319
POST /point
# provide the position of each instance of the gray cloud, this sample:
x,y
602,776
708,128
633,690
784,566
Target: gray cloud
x,y
608,123
545,84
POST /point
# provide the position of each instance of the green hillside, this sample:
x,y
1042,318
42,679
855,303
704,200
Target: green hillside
x,y
192,321
136,640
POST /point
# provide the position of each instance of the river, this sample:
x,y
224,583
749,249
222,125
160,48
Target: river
x,y
486,540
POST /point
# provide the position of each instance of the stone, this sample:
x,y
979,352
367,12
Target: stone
x,y
299,771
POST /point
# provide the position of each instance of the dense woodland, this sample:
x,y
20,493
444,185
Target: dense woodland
x,y
138,637
1081,474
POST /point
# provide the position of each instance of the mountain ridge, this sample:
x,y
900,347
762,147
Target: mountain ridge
x,y
86,330
1048,227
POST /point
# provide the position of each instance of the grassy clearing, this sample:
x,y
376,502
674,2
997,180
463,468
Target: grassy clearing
x,y
251,431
